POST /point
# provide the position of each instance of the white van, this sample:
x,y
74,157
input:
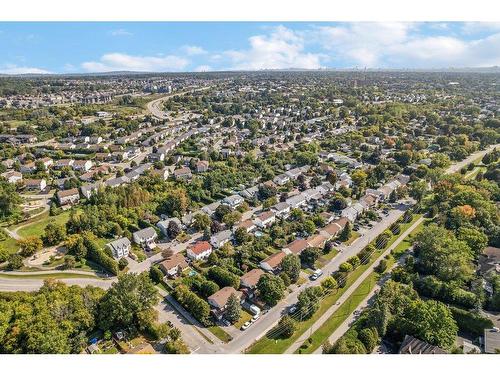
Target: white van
x,y
254,310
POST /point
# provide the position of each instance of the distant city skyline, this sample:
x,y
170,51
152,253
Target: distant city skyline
x,y
94,47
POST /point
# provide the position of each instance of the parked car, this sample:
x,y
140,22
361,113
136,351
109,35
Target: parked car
x,y
245,325
316,274
255,318
292,309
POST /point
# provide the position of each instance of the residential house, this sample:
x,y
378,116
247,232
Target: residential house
x,y
145,237
28,168
265,219
219,300
412,345
163,224
63,163
233,201
82,165
12,176
35,184
69,196
273,262
120,247
183,173
296,201
201,250
281,209
317,240
281,179
219,239
173,266
492,340
296,247
248,225
202,166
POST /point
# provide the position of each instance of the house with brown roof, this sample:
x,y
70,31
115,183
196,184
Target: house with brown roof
x,y
248,225
296,247
273,262
317,240
412,345
251,278
265,219
69,196
200,250
173,266
219,299
202,166
183,173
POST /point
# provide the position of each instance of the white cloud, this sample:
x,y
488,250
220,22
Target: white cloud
x,y
397,45
282,48
120,62
203,68
193,50
120,32
478,27
14,69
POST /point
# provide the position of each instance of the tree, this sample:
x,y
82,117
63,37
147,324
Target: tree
x,y
54,233
271,289
122,263
9,200
201,221
329,283
417,189
30,245
474,238
131,297
369,338
233,309
345,234
231,218
167,253
76,246
290,265
308,301
207,288
15,261
69,262
223,277
241,236
175,203
310,255
155,274
286,326
173,229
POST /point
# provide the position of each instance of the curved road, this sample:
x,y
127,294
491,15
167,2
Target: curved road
x,y
154,106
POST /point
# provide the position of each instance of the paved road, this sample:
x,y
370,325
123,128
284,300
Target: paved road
x,y
476,155
347,323
267,321
155,109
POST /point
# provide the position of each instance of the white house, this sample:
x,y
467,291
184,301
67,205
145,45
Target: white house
x,y
219,239
199,251
265,219
145,237
120,247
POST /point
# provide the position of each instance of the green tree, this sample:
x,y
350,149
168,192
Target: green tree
x,y
155,274
29,245
308,301
345,234
233,309
54,233
286,326
271,289
131,297
290,265
201,221
310,255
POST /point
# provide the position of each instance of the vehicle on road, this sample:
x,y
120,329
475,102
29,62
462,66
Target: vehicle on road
x,y
292,309
316,274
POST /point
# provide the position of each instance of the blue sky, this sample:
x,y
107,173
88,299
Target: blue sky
x,y
206,46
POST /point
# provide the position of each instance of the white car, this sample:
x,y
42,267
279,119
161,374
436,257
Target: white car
x,y
245,326
254,318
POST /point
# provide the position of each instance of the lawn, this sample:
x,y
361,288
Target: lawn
x,y
344,310
220,334
271,345
37,227
60,275
354,236
8,243
245,317
326,258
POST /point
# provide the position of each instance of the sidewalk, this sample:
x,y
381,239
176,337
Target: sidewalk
x,y
350,290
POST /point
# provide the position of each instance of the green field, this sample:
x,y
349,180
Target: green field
x,y
220,333
60,275
37,227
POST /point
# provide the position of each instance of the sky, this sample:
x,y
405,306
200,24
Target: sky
x,y
88,47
